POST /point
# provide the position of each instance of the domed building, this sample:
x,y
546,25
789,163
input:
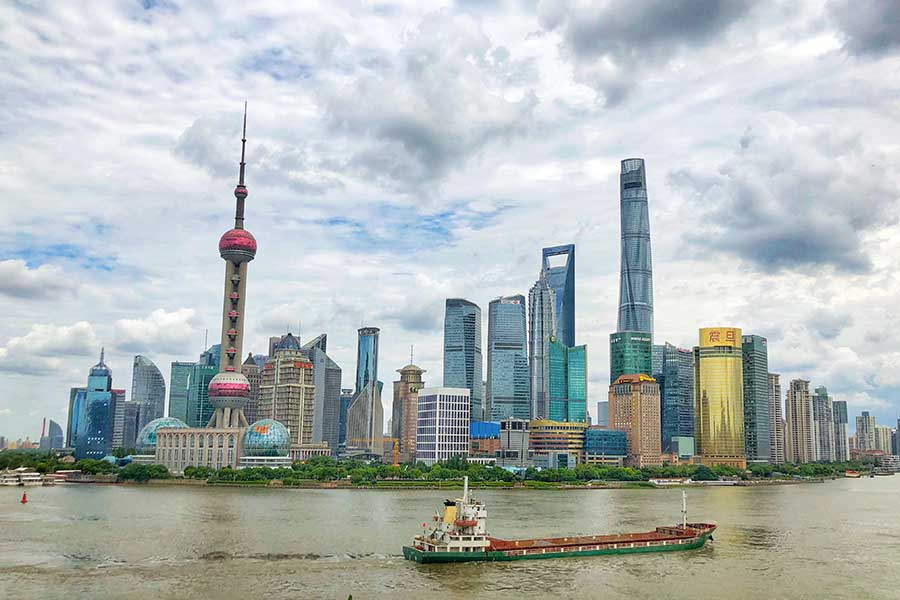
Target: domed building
x,y
146,438
267,443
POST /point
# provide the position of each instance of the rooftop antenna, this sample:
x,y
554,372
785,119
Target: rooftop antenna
x,y
410,354
206,339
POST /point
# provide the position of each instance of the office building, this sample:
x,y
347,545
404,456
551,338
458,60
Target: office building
x,y
841,433
484,439
76,416
94,438
568,382
757,406
547,436
798,439
719,397
118,419
405,411
561,279
865,432
199,409
634,407
253,372
442,430
541,328
823,425
630,352
603,414
51,437
675,376
515,440
287,390
636,278
462,351
148,389
179,387
605,446
776,432
346,399
507,390
365,414
327,406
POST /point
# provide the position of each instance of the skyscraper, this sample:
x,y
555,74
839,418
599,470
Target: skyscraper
x,y
179,386
131,415
253,372
841,436
757,408
719,397
634,409
542,327
603,414
53,438
798,438
865,431
568,382
148,389
636,282
365,414
561,280
676,382
883,439
823,425
77,407
287,391
327,378
630,352
95,429
507,360
462,351
405,411
346,399
776,433
199,410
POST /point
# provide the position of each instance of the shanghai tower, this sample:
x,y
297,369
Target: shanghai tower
x,y
636,283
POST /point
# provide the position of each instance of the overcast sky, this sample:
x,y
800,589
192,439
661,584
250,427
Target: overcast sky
x,y
400,154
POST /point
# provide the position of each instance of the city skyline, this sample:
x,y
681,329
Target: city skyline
x,y
80,272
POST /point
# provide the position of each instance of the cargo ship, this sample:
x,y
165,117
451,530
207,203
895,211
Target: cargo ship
x,y
460,534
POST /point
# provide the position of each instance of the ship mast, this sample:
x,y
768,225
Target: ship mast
x,y
465,489
684,509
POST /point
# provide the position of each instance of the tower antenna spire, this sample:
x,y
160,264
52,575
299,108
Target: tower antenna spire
x,y
410,354
243,144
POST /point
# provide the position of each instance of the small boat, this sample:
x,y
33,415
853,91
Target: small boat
x,y
882,471
460,535
852,474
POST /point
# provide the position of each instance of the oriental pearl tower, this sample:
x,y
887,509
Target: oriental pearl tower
x,y
229,390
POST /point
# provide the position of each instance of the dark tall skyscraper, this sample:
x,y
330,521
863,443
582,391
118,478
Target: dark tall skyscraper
x,y
462,351
95,427
179,386
77,405
561,279
757,405
507,360
636,283
676,380
327,405
148,389
365,414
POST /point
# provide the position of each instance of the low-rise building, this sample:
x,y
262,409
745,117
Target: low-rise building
x,y
604,446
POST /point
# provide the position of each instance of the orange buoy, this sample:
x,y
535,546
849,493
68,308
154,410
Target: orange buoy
x,y
24,499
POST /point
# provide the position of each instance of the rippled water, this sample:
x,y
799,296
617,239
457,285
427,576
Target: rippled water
x,y
839,539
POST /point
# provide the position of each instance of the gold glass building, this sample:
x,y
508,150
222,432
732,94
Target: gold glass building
x,y
719,397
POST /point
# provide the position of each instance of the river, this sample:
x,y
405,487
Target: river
x,y
839,539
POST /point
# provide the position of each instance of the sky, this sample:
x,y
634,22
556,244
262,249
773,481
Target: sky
x,y
400,154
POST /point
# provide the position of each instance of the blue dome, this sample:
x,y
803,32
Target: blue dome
x,y
146,439
267,437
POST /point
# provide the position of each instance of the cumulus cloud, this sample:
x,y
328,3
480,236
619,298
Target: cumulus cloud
x,y
48,348
43,282
160,331
613,43
868,27
793,197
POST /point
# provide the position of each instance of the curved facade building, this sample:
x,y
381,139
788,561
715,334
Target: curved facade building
x,y
148,389
146,438
719,397
636,282
267,438
463,362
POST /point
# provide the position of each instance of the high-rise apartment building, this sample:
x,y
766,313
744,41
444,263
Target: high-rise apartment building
x,y
630,352
841,433
541,328
883,439
567,382
462,351
253,372
365,414
636,279
719,397
179,388
634,408
287,391
327,406
148,389
561,279
865,432
799,447
776,433
757,407
405,413
675,377
442,426
507,360
823,425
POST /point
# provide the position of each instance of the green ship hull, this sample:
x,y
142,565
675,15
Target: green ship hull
x,y
411,553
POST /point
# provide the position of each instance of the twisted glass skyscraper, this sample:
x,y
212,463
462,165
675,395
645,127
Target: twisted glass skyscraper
x,y
636,283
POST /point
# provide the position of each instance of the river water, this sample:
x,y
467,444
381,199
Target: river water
x,y
839,539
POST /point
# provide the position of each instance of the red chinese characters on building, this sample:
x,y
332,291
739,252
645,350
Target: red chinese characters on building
x,y
729,335
714,336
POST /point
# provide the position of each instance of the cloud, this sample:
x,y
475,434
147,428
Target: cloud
x,y
792,197
868,27
158,332
48,348
43,282
612,44
829,325
6,412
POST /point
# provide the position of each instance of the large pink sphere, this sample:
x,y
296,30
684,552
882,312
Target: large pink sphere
x,y
237,245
